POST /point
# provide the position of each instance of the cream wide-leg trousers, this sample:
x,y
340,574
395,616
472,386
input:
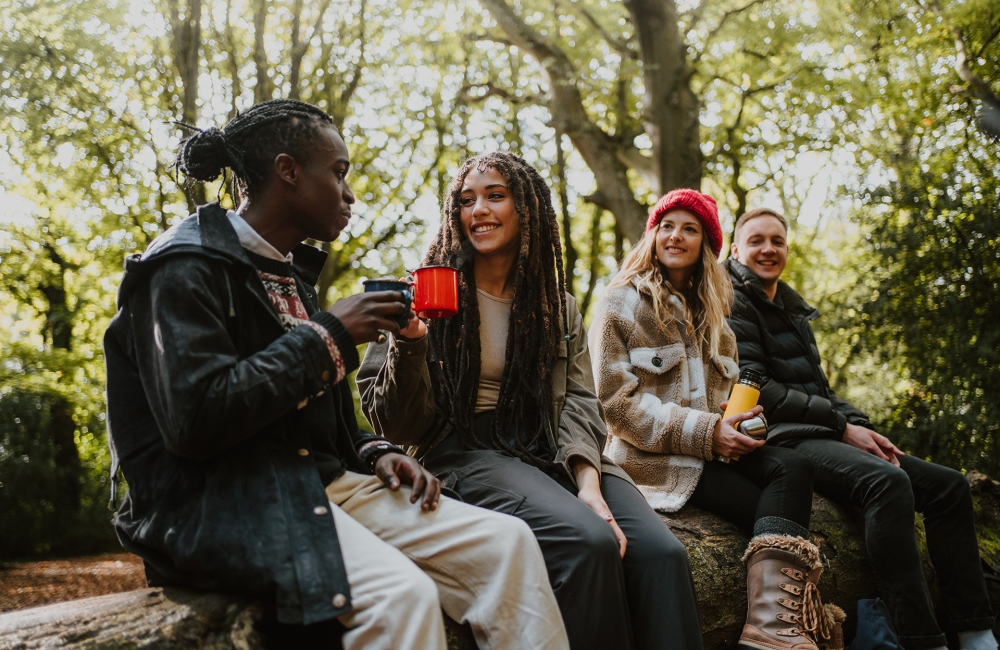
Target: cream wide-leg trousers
x,y
404,565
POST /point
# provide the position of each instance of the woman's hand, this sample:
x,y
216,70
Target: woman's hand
x,y
414,329
588,480
394,468
730,443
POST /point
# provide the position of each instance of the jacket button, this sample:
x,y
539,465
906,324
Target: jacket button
x,y
339,601
303,452
320,510
326,376
657,361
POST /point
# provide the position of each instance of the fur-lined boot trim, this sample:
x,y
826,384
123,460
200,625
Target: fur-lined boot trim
x,y
805,549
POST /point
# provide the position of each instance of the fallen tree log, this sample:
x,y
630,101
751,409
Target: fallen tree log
x,y
177,618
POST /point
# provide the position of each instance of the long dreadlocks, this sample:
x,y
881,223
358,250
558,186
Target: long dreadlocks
x,y
248,148
538,318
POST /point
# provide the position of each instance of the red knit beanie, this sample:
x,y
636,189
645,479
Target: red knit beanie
x,y
700,205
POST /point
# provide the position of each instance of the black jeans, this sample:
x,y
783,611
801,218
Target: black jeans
x,y
646,600
762,491
889,497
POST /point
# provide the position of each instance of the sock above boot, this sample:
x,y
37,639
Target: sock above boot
x,y
779,526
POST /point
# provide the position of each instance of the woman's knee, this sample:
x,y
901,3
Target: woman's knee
x,y
658,548
596,540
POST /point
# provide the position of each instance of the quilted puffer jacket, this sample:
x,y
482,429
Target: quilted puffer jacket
x,y
776,338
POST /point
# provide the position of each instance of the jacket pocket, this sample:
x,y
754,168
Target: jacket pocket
x,y
727,367
489,496
657,360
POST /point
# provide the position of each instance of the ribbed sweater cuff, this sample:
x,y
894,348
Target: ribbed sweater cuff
x,y
345,343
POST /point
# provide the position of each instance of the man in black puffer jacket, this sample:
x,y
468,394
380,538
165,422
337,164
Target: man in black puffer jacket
x,y
854,464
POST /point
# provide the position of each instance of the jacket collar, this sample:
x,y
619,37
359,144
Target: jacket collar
x,y
209,232
786,297
676,306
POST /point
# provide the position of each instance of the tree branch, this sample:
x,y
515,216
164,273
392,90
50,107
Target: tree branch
x,y
619,45
989,39
989,117
493,90
569,115
718,27
352,85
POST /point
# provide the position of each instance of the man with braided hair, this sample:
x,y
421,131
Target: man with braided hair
x,y
231,419
499,403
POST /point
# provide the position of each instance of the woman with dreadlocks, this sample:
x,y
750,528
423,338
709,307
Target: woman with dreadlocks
x,y
231,419
664,358
499,403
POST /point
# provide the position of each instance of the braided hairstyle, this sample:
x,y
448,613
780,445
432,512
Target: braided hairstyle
x,y
538,318
250,142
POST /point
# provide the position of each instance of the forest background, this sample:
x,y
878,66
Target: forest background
x,y
871,124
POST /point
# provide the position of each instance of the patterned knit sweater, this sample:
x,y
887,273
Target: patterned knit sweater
x,y
661,394
283,292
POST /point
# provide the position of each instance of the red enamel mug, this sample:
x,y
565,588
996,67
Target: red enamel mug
x,y
435,291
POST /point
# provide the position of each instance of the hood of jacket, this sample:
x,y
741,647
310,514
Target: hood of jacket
x,y
208,232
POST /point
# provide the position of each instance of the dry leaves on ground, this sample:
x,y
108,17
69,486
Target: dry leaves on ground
x,y
27,584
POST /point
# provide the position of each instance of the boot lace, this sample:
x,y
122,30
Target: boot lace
x,y
814,620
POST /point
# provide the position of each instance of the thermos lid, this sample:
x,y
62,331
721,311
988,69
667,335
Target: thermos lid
x,y
751,377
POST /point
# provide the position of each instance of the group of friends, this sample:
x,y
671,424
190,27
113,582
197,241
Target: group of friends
x,y
518,464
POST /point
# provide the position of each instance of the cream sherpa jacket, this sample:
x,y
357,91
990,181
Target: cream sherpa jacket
x,y
661,394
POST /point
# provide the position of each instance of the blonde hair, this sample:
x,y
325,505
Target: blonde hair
x,y
711,296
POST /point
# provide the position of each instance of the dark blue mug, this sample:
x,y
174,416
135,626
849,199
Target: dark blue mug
x,y
390,284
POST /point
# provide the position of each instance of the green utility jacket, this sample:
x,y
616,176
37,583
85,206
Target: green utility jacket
x,y
398,400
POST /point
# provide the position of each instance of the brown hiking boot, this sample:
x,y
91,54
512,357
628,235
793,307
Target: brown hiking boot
x,y
784,609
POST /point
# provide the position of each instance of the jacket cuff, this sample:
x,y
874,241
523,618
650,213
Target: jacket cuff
x,y
416,348
706,445
584,452
840,424
341,337
861,422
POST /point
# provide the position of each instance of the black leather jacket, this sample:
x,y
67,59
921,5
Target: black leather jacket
x,y
203,389
776,338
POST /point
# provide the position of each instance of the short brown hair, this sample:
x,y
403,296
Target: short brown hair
x,y
758,212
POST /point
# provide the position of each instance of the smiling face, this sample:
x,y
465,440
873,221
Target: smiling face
x,y
489,219
761,246
322,199
678,241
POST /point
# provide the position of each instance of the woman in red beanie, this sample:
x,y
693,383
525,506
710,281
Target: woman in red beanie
x,y
664,359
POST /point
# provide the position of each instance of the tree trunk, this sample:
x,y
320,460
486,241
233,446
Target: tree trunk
x,y
670,111
263,90
567,225
185,45
301,45
178,618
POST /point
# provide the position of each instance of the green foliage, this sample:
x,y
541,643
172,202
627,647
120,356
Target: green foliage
x,y
903,262
921,312
53,499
